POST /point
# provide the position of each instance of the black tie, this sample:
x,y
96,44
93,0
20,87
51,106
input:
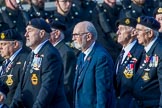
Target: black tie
x,y
4,66
120,58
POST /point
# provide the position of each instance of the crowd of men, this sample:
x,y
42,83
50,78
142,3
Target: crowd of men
x,y
84,54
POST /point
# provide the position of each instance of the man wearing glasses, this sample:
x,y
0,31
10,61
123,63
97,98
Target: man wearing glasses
x,y
93,83
147,81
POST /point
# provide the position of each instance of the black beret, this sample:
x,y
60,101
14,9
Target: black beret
x,y
150,22
10,35
127,22
58,25
157,10
4,26
41,24
4,88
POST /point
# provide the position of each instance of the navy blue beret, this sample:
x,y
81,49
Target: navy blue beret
x,y
41,24
150,22
58,25
4,88
10,35
157,10
127,22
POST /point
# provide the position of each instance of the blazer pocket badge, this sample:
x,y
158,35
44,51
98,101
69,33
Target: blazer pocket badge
x,y
34,79
146,77
9,80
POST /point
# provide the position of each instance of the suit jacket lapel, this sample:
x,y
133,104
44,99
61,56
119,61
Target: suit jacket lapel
x,y
85,67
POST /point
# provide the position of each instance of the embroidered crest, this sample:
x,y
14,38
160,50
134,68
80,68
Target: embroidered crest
x,y
138,20
9,80
127,21
34,79
2,36
159,10
146,77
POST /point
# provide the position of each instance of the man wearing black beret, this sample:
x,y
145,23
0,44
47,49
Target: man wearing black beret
x,y
127,62
158,16
68,57
42,82
147,81
11,48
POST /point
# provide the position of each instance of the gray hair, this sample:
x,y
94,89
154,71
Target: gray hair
x,y
90,28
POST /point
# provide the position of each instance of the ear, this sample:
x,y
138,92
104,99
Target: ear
x,y
1,98
42,33
133,33
150,33
89,36
57,34
16,44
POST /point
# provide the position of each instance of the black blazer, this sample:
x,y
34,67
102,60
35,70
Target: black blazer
x,y
123,83
42,86
15,69
147,82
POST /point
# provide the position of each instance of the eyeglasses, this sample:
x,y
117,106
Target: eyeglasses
x,y
79,34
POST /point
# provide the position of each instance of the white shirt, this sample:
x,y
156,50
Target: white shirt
x,y
87,52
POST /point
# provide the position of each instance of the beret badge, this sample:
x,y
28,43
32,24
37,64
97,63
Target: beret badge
x,y
138,20
2,36
127,21
159,10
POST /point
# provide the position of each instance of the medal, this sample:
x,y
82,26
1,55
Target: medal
x,y
34,79
9,80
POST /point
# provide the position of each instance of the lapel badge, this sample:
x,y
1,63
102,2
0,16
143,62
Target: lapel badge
x,y
9,80
146,77
18,63
88,58
34,79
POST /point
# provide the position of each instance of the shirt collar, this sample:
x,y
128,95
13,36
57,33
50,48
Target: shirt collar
x,y
37,49
128,48
88,50
14,55
148,47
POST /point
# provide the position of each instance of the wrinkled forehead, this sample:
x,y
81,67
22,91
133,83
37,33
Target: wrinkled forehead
x,y
64,0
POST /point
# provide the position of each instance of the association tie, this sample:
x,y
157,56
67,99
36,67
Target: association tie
x,y
4,66
82,59
30,62
121,57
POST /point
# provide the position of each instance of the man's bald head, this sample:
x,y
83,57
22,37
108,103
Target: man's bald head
x,y
86,26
